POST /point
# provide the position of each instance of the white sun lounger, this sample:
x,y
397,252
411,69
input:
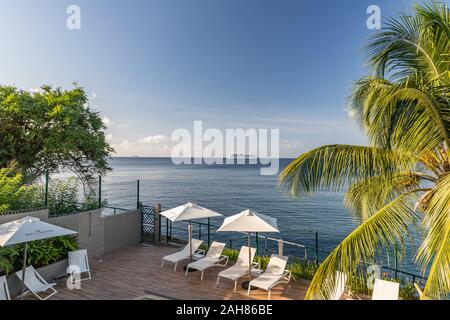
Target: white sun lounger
x,y
240,268
183,254
4,291
275,274
35,283
213,258
385,290
79,264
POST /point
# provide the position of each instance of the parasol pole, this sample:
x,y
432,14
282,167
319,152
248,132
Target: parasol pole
x,y
249,258
23,269
190,239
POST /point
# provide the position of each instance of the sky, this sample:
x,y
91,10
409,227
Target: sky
x,y
151,67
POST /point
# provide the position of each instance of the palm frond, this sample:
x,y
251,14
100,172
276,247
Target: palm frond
x,y
435,249
385,228
403,48
401,116
338,166
368,196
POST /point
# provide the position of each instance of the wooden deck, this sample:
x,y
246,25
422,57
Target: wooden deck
x,y
136,273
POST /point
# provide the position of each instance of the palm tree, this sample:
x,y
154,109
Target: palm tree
x,y
402,179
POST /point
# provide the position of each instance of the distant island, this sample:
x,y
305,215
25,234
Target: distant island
x,y
241,156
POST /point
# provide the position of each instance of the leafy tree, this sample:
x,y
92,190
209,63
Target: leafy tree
x,y
403,176
52,129
14,195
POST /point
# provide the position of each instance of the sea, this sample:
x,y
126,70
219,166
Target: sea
x,y
319,221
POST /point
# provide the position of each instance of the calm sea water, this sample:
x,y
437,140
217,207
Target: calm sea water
x,y
229,189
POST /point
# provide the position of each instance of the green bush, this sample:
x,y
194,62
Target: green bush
x,y
263,261
302,269
63,197
14,194
232,254
40,253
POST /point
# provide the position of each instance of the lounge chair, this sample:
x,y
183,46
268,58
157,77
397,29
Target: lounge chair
x,y
275,274
79,263
213,258
4,291
240,268
183,254
35,283
385,290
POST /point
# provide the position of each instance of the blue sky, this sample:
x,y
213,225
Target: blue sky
x,y
154,66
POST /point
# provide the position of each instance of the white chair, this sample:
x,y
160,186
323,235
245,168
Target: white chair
x,y
213,258
79,264
275,274
183,254
240,268
385,290
4,291
35,283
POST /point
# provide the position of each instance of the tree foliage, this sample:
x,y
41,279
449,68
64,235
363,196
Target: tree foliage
x,y
51,129
14,194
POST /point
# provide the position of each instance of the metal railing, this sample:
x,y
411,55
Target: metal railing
x,y
297,250
9,212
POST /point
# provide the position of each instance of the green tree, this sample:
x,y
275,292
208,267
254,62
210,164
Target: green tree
x,y
52,129
402,178
14,195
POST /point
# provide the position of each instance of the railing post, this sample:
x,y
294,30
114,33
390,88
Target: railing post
x,y
266,248
46,189
158,220
209,232
199,231
167,230
138,193
395,261
280,247
99,192
231,243
257,243
317,247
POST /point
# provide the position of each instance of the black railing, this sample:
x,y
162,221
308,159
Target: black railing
x,y
295,250
25,210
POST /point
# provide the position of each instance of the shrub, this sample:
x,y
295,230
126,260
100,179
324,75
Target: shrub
x,y
63,197
232,254
263,261
302,269
14,194
40,253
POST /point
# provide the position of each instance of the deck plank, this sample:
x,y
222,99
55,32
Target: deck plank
x,y
135,272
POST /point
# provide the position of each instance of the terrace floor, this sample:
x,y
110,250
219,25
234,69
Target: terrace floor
x,y
136,273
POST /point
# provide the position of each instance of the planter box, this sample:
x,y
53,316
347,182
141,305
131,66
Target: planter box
x,y
50,273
